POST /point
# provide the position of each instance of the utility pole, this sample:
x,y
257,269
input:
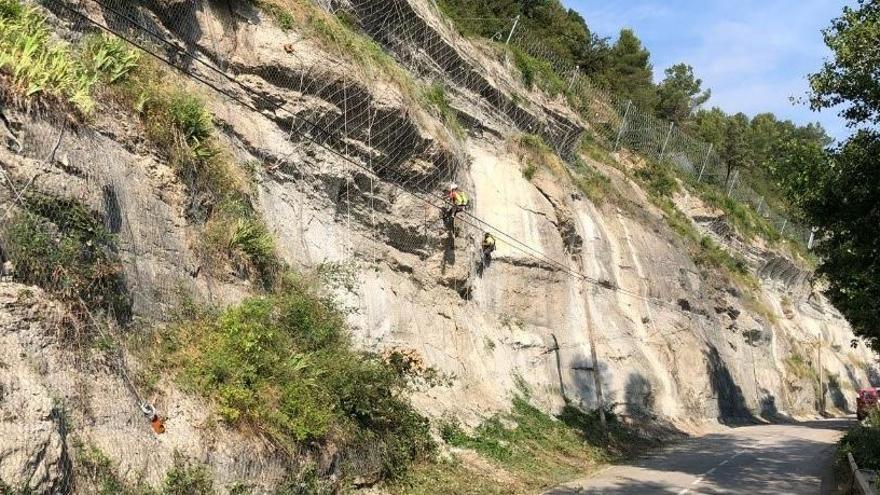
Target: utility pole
x,y
666,142
597,379
820,373
705,161
509,36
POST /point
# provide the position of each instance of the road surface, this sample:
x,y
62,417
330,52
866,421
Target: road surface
x,y
772,459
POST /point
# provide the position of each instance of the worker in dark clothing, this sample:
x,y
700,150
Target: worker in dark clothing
x,y
488,249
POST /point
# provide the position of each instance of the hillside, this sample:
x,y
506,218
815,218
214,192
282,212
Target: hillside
x,y
236,219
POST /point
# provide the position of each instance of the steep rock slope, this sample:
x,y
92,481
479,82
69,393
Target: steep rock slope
x,y
350,176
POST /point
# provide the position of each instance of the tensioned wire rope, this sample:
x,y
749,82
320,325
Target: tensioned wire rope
x,y
476,222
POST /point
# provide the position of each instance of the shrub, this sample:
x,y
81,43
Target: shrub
x,y
658,178
862,442
283,365
235,234
187,478
59,245
537,72
529,171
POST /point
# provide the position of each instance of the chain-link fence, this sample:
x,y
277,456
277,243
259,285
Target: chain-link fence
x,y
622,125
628,127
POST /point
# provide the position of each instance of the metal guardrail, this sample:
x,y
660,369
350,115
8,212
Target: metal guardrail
x,y
864,479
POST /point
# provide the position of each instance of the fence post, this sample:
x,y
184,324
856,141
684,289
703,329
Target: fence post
x,y
782,230
760,205
812,238
666,142
623,125
733,182
705,161
509,36
573,77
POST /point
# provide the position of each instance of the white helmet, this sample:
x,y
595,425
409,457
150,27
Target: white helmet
x,y
453,186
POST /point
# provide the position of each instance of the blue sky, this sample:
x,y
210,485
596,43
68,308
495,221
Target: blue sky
x,y
754,55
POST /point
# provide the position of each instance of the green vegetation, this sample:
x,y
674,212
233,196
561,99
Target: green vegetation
x,y
337,35
862,442
96,473
236,234
535,449
282,366
110,58
529,171
187,478
178,124
36,64
797,366
837,190
61,246
596,186
435,96
660,182
537,73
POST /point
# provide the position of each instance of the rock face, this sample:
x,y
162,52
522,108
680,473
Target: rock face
x,y
674,342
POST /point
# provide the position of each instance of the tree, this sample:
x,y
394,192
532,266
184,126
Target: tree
x,y
629,71
852,77
680,94
736,150
839,190
710,126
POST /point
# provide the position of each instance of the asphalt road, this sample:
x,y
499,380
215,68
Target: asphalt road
x,y
772,459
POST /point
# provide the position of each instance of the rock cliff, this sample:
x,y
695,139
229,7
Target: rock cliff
x,y
350,172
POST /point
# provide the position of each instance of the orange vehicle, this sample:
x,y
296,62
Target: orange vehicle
x,y
866,401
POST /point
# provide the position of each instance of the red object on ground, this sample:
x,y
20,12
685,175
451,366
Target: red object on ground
x,y
866,401
158,424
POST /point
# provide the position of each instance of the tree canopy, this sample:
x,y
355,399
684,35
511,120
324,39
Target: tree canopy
x,y
838,190
680,94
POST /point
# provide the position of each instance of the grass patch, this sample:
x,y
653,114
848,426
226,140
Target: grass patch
x,y
36,64
529,171
282,366
179,125
235,235
337,34
592,183
594,149
96,473
659,179
536,72
449,476
435,96
64,248
742,217
540,450
797,366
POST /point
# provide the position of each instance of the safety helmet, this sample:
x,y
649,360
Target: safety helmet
x,y
453,186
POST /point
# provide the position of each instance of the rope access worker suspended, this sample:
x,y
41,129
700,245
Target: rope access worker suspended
x,y
488,249
458,200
